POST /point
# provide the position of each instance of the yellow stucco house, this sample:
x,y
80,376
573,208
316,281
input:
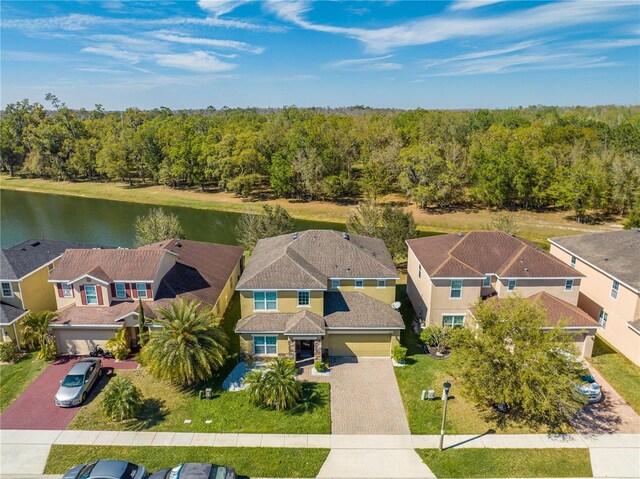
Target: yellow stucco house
x,y
24,274
319,290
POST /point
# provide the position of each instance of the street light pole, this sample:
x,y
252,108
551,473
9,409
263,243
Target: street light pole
x,y
445,396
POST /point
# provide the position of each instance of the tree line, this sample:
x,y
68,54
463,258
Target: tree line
x,y
584,159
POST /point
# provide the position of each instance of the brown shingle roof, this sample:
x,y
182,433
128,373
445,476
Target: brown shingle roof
x,y
357,310
477,253
615,252
100,315
109,264
303,322
307,259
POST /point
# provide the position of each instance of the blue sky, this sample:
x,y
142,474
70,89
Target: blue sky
x,y
404,54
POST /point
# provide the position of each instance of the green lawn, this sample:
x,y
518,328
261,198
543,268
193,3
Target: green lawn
x,y
507,462
14,378
166,406
247,461
622,374
423,373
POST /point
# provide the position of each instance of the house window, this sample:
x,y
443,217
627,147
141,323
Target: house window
x,y
67,290
573,261
568,285
454,321
7,290
456,289
602,319
335,283
265,345
91,293
121,291
265,300
419,270
359,283
382,283
486,282
615,286
141,289
512,285
303,298
50,267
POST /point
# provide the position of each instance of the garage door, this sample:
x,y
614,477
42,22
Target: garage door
x,y
80,341
364,345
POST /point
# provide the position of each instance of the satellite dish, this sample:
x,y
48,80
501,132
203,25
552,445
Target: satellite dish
x,y
396,305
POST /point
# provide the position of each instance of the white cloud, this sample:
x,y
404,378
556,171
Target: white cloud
x,y
472,4
198,61
367,64
482,54
220,7
608,44
110,50
174,37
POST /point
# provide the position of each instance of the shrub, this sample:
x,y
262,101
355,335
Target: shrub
x,y
121,400
436,337
49,350
8,352
276,387
119,345
399,353
321,366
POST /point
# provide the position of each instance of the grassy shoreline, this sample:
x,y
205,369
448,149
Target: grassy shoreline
x,y
537,226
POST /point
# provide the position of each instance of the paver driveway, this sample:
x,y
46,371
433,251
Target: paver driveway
x,y
365,398
35,409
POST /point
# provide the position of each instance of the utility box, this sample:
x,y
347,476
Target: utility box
x,y
431,394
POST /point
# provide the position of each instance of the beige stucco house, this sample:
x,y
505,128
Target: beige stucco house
x,y
24,276
316,290
99,291
610,289
448,274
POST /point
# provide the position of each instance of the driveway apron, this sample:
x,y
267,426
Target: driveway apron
x,y
365,398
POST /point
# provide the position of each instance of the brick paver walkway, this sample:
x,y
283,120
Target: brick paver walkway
x,y
365,398
35,409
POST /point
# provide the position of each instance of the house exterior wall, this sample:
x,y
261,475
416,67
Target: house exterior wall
x,y
287,303
38,294
227,293
442,303
419,287
595,296
246,343
16,299
386,294
529,287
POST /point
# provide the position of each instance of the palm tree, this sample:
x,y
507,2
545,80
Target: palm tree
x,y
35,329
281,389
188,346
254,382
122,399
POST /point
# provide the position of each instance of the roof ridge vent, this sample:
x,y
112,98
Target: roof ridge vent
x,y
345,236
295,235
178,244
35,243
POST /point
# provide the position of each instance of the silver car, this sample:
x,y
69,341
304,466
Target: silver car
x,y
107,469
75,387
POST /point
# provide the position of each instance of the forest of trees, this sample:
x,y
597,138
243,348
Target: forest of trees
x,y
584,159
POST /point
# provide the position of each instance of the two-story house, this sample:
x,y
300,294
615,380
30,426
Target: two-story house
x,y
316,290
99,291
447,274
24,276
610,290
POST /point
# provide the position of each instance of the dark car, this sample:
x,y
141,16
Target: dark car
x,y
107,469
195,470
76,385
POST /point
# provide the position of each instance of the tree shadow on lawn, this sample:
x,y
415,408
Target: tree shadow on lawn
x,y
311,400
151,414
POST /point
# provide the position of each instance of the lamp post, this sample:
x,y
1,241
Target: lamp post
x,y
445,394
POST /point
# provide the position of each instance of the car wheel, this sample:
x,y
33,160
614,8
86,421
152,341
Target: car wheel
x,y
100,372
84,398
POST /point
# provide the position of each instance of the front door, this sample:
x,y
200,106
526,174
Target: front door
x,y
304,348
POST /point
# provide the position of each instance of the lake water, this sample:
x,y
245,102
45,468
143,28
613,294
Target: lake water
x,y
25,215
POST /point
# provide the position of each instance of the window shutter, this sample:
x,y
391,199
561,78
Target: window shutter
x,y
134,291
99,293
127,288
83,296
113,290
60,292
149,290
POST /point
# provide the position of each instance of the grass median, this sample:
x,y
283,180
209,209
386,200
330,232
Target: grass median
x,y
247,461
493,463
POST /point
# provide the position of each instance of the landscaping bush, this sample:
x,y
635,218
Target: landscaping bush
x,y
276,387
121,399
8,352
118,345
49,349
399,353
321,366
436,337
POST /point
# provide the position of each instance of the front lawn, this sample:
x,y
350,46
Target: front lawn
x,y
622,374
247,461
166,406
507,462
15,377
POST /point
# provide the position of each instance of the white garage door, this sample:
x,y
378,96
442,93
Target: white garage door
x,y
81,341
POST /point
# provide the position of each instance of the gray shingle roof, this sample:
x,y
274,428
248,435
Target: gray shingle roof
x,y
357,310
306,260
616,252
9,313
30,255
303,322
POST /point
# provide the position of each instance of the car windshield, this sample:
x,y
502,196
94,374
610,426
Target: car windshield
x,y
587,378
130,472
175,472
86,472
73,380
218,472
